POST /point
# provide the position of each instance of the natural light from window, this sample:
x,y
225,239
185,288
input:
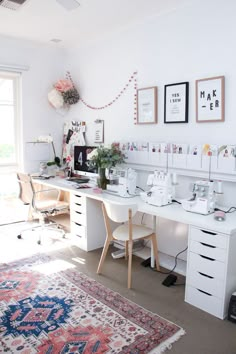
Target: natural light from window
x,y
8,119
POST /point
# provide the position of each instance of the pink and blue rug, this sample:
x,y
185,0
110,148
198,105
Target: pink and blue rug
x,y
67,312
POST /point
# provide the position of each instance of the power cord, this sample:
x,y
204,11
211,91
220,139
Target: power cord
x,y
176,201
140,188
229,211
176,258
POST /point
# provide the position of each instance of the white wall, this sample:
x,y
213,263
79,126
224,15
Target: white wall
x,y
192,42
38,118
196,41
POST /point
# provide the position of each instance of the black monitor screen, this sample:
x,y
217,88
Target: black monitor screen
x,y
81,163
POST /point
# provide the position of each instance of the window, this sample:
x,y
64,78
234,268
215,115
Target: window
x,y
9,120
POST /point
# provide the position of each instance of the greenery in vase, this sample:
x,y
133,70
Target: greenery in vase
x,y
57,160
106,157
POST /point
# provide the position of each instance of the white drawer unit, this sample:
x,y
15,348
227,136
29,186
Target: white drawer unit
x,y
207,236
78,202
86,219
210,278
203,300
78,217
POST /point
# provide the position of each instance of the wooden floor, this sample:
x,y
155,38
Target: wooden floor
x,y
205,334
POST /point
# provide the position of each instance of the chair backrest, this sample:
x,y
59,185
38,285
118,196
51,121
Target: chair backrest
x,y
119,212
26,187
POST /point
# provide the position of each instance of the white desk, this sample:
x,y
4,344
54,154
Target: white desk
x,y
211,261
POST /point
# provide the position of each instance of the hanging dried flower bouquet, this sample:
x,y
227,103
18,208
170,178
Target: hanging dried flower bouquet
x,y
64,93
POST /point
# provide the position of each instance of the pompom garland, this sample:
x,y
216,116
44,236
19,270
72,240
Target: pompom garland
x,y
132,78
71,96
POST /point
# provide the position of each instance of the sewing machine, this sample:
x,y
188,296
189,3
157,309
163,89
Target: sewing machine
x,y
203,198
162,189
122,182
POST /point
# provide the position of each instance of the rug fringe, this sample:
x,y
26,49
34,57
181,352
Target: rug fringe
x,y
168,343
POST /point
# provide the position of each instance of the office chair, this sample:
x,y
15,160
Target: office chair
x,y
127,232
44,204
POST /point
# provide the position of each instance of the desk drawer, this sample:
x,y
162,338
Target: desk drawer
x,y
78,199
78,207
78,217
212,238
205,282
78,229
206,266
205,249
203,301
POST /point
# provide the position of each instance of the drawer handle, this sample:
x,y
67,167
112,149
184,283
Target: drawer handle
x,y
78,204
78,224
78,236
205,244
78,196
78,212
204,292
205,275
210,259
209,232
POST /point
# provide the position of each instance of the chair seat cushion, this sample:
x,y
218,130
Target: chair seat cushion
x,y
122,232
49,205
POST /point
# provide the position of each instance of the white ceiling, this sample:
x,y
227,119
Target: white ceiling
x,y
43,20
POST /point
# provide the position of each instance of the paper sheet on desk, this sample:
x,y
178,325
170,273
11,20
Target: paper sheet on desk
x,y
74,184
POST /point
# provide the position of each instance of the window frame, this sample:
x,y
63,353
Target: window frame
x,y
16,78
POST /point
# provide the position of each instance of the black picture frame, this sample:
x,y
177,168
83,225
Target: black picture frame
x,y
176,103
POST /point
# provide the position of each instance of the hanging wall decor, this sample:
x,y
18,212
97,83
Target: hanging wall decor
x,y
133,78
147,105
64,93
176,103
73,134
210,99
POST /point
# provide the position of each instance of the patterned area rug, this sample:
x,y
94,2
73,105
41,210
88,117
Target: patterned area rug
x,y
47,309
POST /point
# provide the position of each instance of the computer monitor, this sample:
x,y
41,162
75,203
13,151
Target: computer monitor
x,y
81,163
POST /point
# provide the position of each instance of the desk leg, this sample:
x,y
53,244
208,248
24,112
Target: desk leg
x,y
154,227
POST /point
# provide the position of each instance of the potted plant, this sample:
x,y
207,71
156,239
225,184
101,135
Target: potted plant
x,y
57,161
103,158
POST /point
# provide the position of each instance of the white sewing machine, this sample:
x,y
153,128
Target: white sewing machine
x,y
162,189
123,182
203,199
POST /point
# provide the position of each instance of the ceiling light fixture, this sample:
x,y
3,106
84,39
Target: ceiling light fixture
x,y
55,40
69,4
12,4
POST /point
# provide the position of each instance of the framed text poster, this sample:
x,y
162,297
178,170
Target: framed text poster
x,y
176,103
210,103
147,105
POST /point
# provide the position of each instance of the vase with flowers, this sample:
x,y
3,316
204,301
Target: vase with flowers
x,y
104,158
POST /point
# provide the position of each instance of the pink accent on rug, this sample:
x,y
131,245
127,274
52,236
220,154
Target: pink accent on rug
x,y
68,312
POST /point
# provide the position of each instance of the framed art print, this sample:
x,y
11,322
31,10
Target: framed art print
x,y
176,103
210,103
147,105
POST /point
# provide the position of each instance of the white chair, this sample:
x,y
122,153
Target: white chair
x,y
44,204
127,232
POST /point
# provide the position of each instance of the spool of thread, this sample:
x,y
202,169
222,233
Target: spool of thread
x,y
219,187
219,215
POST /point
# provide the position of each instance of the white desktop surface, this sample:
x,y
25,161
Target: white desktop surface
x,y
211,262
173,212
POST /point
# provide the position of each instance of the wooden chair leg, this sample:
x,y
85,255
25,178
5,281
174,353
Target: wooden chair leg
x,y
104,253
155,250
126,249
130,246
